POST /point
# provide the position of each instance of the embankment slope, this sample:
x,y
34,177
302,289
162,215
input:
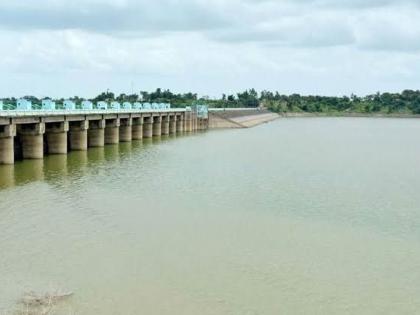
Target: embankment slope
x,y
239,118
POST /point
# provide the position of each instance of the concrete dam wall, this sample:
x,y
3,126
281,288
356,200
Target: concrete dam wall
x,y
32,134
239,118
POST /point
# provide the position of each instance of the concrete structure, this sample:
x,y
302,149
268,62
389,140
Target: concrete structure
x,y
96,133
188,122
29,134
48,104
157,126
126,129
127,105
69,105
148,127
102,105
23,104
112,131
137,128
179,123
87,105
57,137
137,105
237,118
7,134
172,124
115,105
31,138
165,124
78,135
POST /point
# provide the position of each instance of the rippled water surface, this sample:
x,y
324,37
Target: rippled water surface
x,y
299,216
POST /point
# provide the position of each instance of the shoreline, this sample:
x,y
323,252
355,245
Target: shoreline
x,y
252,118
349,115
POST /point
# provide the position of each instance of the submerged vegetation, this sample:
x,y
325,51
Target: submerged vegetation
x,y
406,102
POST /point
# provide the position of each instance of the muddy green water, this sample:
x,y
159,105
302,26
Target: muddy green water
x,y
299,216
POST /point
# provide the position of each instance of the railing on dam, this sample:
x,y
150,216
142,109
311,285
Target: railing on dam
x,y
58,112
48,104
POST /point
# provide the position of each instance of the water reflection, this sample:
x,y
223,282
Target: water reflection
x,y
112,153
76,161
27,171
64,168
146,142
7,176
125,150
165,138
55,166
96,156
156,140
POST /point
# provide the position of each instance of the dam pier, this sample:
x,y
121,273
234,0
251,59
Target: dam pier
x,y
31,134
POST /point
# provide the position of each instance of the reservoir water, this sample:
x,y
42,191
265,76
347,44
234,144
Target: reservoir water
x,y
299,216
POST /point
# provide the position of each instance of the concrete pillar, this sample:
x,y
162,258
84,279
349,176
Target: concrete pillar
x,y
179,124
137,128
187,121
96,133
148,127
195,122
57,137
126,129
7,152
78,135
165,125
112,131
32,140
172,124
157,126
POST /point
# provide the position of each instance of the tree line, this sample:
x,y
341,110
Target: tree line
x,y
406,102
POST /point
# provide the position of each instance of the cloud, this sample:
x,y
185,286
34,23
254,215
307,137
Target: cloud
x,y
389,29
302,31
110,16
367,24
211,46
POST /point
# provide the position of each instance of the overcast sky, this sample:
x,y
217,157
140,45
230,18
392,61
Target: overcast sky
x,y
329,47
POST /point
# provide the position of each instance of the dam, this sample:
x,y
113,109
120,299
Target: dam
x,y
30,134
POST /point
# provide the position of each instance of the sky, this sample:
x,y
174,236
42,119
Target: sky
x,y
62,48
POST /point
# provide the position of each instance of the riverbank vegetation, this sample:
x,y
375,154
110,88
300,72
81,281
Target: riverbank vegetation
x,y
406,102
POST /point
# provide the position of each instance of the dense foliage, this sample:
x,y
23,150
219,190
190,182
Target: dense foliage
x,y
406,102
